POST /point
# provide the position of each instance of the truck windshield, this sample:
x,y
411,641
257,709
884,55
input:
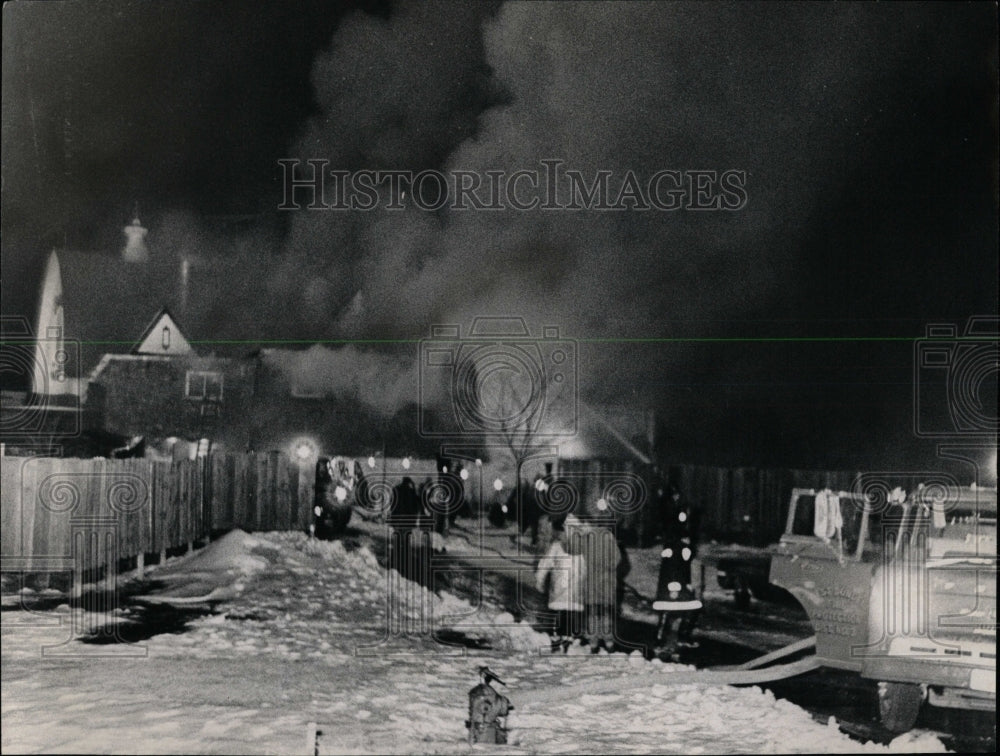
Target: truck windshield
x,y
836,517
964,524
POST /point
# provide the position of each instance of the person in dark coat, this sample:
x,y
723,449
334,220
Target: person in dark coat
x,y
406,507
406,541
531,508
621,572
675,596
522,504
602,555
424,495
464,508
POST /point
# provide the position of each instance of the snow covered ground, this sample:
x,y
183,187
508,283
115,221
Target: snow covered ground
x,y
300,633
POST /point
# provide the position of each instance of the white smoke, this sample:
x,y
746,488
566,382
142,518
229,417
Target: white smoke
x,y
384,382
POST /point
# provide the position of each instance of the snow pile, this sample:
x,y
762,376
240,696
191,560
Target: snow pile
x,y
691,718
236,552
310,638
215,573
917,742
412,604
517,636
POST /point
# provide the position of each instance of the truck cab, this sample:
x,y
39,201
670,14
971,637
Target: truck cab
x,y
901,590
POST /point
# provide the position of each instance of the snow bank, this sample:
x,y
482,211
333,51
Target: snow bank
x,y
306,639
235,552
665,718
215,573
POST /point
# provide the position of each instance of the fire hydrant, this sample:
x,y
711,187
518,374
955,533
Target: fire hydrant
x,y
488,710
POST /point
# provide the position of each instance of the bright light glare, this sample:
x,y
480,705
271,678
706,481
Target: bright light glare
x,y
304,449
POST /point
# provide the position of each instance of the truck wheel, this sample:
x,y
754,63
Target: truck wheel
x,y
899,704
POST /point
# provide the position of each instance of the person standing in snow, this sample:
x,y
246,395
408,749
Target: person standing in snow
x,y
405,509
602,557
564,576
621,572
423,496
675,597
406,541
530,512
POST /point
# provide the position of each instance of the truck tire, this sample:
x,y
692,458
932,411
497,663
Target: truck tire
x,y
899,704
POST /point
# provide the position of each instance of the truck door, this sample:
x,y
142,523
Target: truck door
x,y
818,560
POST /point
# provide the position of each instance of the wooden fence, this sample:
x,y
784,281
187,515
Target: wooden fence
x,y
747,503
148,507
744,504
142,506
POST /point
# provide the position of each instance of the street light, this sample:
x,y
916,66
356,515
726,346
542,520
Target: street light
x,y
304,449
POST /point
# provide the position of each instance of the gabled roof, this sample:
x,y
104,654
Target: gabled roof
x,y
106,301
163,336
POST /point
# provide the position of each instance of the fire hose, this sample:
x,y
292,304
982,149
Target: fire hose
x,y
744,674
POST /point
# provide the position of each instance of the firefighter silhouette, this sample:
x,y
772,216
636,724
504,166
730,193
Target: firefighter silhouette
x,y
488,711
332,505
675,596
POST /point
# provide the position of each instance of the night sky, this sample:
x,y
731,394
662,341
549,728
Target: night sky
x,y
867,134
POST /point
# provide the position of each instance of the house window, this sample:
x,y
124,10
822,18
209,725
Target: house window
x,y
205,386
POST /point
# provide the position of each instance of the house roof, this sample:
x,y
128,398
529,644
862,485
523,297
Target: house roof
x,y
163,336
106,301
110,305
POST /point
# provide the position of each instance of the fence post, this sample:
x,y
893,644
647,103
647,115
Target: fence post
x,y
207,499
189,506
163,477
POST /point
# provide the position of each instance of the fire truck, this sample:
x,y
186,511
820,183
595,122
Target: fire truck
x,y
901,590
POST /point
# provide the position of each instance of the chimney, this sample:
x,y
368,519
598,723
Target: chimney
x,y
185,277
135,245
651,432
